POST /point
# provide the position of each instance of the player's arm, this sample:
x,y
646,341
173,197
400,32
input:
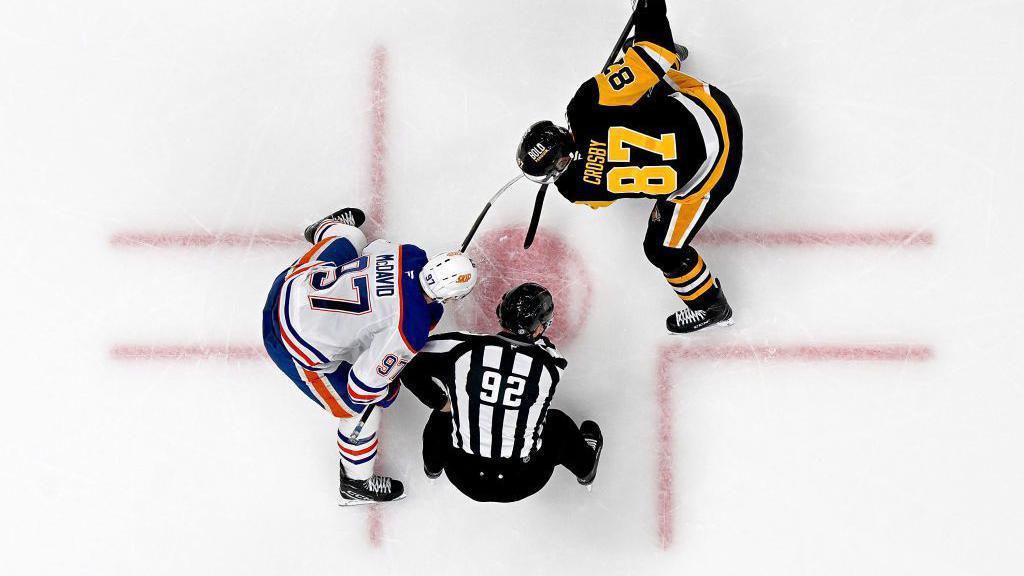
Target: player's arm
x,y
652,25
377,246
570,186
373,377
428,372
645,63
556,357
419,378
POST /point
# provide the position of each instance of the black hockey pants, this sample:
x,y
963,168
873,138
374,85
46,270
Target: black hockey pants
x,y
506,479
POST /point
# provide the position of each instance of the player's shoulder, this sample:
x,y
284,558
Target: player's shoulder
x,y
411,256
541,349
448,341
585,100
416,315
545,345
452,337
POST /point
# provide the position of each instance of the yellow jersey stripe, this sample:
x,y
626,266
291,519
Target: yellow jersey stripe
x,y
693,273
707,286
699,90
687,212
668,55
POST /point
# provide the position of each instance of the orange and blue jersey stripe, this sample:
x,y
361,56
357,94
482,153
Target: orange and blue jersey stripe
x,y
303,351
363,393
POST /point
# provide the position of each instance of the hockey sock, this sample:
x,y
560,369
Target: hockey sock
x,y
693,283
357,457
332,228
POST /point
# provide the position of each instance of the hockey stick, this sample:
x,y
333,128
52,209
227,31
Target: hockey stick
x,y
359,425
622,40
538,205
487,207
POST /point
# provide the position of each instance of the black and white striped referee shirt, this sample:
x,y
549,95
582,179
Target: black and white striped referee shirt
x,y
500,388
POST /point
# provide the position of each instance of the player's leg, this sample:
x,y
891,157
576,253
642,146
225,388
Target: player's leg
x,y
279,354
351,217
437,439
576,448
673,225
358,483
690,277
358,456
335,240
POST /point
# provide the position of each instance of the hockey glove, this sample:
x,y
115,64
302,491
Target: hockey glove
x,y
393,389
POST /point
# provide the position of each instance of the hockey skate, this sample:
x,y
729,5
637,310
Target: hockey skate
x,y
376,489
719,313
593,437
351,216
432,474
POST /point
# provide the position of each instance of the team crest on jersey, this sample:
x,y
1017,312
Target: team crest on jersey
x,y
655,215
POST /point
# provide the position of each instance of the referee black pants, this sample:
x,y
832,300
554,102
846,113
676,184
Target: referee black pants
x,y
506,479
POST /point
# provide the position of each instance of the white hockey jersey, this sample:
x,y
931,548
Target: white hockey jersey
x,y
337,306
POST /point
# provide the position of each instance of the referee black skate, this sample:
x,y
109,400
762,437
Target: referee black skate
x,y
492,430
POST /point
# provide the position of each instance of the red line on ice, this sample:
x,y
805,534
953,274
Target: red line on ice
x,y
663,396
140,239
377,206
672,354
189,352
882,353
812,238
375,522
819,353
376,213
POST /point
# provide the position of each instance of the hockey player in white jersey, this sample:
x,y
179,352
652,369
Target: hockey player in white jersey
x,y
344,319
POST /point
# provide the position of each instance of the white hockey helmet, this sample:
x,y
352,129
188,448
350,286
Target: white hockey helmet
x,y
448,276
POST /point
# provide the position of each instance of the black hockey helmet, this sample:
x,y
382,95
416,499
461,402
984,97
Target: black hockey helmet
x,y
524,308
545,151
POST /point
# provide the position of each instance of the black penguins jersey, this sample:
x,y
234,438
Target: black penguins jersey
x,y
642,128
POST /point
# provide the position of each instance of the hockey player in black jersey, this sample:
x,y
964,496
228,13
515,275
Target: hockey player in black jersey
x,y
492,429
643,129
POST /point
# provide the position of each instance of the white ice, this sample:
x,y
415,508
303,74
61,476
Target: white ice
x,y
242,116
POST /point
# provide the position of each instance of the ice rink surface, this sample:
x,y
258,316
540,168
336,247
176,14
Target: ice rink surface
x,y
862,417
